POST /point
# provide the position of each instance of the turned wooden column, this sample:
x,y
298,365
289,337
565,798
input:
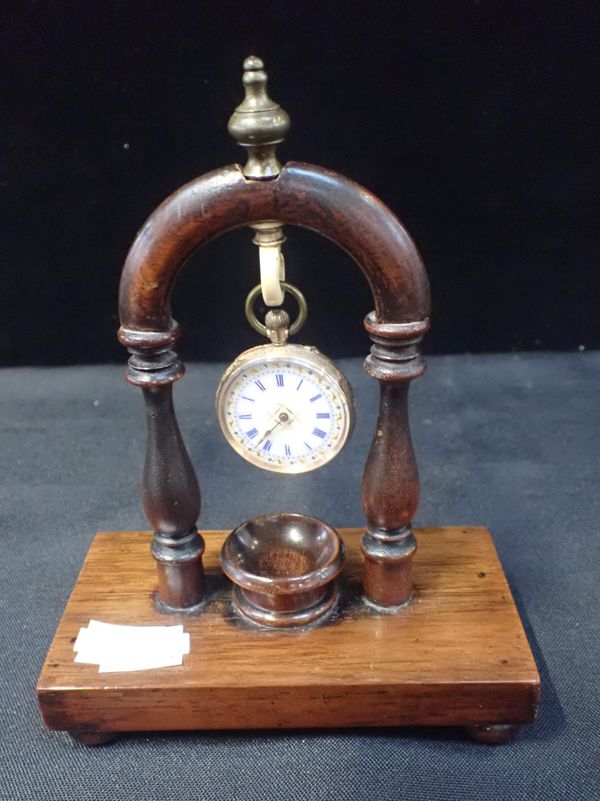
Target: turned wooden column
x,y
169,487
390,486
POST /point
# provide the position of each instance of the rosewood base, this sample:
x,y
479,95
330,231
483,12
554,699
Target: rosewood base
x,y
456,655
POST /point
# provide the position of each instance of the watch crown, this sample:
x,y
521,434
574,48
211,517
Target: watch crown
x,y
277,323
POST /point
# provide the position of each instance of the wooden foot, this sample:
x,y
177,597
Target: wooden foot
x,y
493,733
93,737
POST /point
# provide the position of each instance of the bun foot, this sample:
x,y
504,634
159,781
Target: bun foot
x,y
493,733
93,737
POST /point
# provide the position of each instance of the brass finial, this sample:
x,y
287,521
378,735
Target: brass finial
x,y
258,123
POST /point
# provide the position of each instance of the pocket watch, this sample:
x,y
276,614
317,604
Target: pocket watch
x,y
284,407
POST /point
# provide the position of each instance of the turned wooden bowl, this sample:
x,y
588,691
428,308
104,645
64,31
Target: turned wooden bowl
x,y
283,567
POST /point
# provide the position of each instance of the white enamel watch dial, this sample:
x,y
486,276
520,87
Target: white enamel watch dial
x,y
285,408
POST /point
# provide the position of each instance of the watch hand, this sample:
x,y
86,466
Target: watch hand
x,y
284,417
268,433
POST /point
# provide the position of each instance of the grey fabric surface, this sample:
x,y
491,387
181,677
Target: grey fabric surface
x,y
507,441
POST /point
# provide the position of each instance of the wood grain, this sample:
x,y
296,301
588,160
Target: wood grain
x,y
456,656
311,197
171,496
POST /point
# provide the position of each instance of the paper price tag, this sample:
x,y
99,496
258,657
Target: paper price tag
x,y
118,648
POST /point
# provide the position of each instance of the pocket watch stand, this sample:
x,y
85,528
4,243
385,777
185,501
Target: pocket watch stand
x,y
425,631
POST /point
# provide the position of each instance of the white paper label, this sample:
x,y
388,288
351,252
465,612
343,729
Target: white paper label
x,y
116,648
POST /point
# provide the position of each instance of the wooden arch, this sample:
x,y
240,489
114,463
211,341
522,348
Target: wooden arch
x,y
366,229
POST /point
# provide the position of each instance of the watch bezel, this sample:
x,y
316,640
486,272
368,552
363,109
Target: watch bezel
x,y
306,356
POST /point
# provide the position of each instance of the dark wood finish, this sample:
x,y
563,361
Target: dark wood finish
x,y
284,566
303,195
388,570
359,223
493,734
172,502
93,737
169,487
168,472
390,486
457,656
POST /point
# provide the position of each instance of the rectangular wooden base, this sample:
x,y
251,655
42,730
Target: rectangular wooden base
x,y
456,655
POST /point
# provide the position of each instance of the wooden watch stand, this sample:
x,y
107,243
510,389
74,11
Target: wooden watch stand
x,y
440,644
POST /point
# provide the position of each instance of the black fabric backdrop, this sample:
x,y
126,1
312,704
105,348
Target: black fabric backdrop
x,y
477,122
509,442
